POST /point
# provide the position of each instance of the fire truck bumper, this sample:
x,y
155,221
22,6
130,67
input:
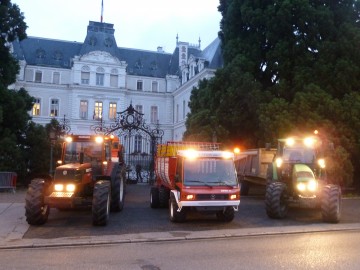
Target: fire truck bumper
x,y
210,205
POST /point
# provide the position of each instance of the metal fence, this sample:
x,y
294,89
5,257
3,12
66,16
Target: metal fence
x,y
139,167
8,180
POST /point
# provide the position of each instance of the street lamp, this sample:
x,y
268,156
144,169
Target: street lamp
x,y
52,136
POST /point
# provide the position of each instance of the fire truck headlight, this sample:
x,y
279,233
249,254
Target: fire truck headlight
x,y
227,155
191,154
70,187
279,162
58,187
321,163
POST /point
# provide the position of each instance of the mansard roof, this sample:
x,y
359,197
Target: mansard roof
x,y
100,37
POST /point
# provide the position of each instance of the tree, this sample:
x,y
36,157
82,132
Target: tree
x,y
288,65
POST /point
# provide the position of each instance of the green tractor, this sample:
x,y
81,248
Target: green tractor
x,y
297,177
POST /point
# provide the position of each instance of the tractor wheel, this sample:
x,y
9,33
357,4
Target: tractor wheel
x,y
36,211
276,200
331,204
154,197
118,193
164,194
101,203
176,216
245,187
226,215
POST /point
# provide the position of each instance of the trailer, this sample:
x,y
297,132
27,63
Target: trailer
x,y
195,176
252,167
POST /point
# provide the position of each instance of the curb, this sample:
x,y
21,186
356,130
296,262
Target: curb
x,y
171,236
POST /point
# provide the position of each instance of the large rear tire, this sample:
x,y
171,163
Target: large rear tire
x,y
174,215
226,215
154,197
101,203
118,193
331,204
245,188
164,195
36,211
276,200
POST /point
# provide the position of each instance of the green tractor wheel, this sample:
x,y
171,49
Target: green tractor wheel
x,y
331,203
276,200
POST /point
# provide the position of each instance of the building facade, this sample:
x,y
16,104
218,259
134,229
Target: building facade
x,y
92,81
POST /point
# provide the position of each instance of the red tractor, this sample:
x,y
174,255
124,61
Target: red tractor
x,y
91,173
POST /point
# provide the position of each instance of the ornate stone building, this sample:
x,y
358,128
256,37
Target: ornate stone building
x,y
91,81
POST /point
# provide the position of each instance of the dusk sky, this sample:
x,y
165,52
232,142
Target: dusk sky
x,y
138,24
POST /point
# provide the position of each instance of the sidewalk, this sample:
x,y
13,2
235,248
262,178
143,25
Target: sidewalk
x,y
13,224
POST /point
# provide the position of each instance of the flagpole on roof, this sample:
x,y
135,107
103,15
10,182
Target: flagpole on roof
x,y
102,10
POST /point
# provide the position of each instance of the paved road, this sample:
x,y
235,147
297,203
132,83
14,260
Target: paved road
x,y
138,217
138,222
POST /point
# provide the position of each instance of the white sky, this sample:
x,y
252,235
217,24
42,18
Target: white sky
x,y
138,24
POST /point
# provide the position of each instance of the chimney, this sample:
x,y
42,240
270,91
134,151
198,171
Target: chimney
x,y
160,49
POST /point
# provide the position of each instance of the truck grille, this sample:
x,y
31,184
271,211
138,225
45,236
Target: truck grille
x,y
211,197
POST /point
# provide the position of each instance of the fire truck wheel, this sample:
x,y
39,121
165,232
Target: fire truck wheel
x,y
164,195
226,215
101,203
154,197
176,216
276,200
118,194
36,211
331,204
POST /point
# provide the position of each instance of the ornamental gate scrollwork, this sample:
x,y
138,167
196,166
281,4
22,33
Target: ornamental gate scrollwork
x,y
139,140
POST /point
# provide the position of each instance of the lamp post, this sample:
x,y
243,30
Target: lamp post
x,y
52,136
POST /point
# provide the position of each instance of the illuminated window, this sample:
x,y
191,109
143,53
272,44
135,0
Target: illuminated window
x,y
36,107
98,110
112,110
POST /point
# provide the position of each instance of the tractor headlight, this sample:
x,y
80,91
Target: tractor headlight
x,y
309,186
58,187
312,185
70,187
301,186
279,162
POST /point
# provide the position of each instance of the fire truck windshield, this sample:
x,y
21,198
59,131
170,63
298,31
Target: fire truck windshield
x,y
209,171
